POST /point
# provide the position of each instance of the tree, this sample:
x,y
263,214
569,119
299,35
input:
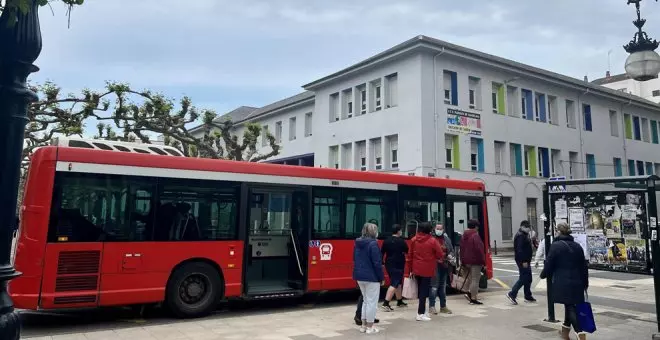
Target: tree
x,y
125,114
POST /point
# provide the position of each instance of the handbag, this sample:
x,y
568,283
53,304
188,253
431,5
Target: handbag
x,y
409,290
585,315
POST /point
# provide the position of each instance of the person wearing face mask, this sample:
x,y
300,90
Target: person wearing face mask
x,y
522,245
439,282
423,256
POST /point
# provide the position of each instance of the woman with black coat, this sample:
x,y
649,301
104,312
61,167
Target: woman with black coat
x,y
566,266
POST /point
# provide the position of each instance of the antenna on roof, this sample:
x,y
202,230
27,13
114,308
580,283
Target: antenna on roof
x,y
609,68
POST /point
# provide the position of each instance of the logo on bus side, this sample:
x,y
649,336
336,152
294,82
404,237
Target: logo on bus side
x,y
326,251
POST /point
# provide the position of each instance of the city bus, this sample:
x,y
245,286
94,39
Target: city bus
x,y
108,228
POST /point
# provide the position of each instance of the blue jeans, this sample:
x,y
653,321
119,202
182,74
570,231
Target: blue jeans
x,y
524,280
441,290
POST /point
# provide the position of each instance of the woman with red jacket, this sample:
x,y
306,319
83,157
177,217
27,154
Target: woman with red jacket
x,y
423,256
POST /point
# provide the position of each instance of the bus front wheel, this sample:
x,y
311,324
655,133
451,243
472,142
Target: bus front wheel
x,y
193,290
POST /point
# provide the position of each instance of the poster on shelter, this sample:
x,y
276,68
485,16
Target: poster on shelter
x,y
616,251
629,223
576,218
613,228
581,239
636,252
597,245
561,209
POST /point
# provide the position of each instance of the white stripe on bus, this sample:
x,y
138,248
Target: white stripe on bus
x,y
218,176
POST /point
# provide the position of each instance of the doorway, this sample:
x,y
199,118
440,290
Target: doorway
x,y
276,243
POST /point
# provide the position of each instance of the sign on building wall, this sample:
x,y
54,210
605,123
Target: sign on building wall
x,y
463,122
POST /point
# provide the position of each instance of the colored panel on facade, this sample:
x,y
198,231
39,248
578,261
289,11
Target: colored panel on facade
x,y
480,155
501,100
531,157
457,153
631,167
517,148
545,158
587,117
628,124
542,108
454,88
591,166
618,167
654,132
529,103
649,168
637,129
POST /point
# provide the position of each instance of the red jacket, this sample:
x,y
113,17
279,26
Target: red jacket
x,y
472,248
424,253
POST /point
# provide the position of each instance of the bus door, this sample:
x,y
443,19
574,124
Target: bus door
x,y
276,246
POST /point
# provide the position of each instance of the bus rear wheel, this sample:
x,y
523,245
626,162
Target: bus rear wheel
x,y
193,290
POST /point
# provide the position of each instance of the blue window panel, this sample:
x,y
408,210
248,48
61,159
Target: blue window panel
x,y
542,108
649,168
454,88
587,117
529,104
637,130
480,155
654,132
545,157
618,167
591,166
631,167
640,168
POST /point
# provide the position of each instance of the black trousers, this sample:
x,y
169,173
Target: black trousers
x,y
423,286
358,311
570,318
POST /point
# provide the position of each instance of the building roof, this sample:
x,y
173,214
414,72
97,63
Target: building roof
x,y
611,79
422,42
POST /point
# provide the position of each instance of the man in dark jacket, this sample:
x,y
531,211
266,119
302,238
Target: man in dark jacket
x,y
473,256
394,250
522,246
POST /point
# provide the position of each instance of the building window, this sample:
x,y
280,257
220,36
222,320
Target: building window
x,y
591,166
346,156
507,218
264,135
555,163
308,124
637,129
531,213
393,142
498,98
627,122
640,168
392,90
530,161
631,167
347,103
379,97
377,152
477,154
655,93
363,100
614,123
361,155
656,168
572,165
645,130
540,107
544,162
452,154
334,107
570,114
450,82
649,168
333,157
527,102
499,157
654,132
292,128
376,96
552,110
474,88
586,117
618,167
513,98
516,159
278,132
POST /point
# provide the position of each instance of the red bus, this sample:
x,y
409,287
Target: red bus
x,y
107,228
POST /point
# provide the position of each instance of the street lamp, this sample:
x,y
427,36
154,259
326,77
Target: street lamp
x,y
20,38
643,63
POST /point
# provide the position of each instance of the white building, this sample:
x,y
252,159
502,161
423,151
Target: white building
x,y
649,90
430,108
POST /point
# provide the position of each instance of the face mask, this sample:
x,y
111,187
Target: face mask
x,y
439,232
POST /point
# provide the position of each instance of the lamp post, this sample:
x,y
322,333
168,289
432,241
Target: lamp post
x,y
643,63
20,38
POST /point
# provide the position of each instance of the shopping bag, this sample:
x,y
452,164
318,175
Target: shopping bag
x,y
585,316
460,279
409,288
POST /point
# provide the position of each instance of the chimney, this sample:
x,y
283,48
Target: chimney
x,y
607,74
586,79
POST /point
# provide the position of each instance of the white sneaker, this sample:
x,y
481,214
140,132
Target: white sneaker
x,y
423,317
373,330
363,329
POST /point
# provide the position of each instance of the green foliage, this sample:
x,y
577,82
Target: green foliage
x,y
15,7
125,114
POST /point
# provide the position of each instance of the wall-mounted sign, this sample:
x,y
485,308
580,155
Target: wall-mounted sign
x,y
463,122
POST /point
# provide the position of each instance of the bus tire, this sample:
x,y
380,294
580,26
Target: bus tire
x,y
193,290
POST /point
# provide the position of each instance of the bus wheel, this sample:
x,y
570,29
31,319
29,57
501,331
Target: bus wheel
x,y
193,290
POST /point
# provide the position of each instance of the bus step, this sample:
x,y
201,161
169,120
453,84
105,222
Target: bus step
x,y
280,295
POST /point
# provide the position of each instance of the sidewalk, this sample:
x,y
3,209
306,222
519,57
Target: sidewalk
x,y
497,319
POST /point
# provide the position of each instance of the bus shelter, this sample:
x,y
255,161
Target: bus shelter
x,y
615,220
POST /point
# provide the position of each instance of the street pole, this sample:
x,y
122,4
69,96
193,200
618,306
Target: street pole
x,y
547,229
20,45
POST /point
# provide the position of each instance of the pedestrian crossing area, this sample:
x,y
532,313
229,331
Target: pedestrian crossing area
x,y
509,262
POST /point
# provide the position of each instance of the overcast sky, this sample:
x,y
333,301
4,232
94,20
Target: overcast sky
x,y
252,52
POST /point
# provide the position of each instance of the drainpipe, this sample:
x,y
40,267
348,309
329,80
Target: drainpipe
x,y
435,112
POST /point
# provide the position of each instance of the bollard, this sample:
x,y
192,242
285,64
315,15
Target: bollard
x,y
495,249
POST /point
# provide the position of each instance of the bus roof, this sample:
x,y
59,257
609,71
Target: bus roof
x,y
102,157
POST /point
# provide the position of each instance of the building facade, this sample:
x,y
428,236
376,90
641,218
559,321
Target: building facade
x,y
430,108
649,90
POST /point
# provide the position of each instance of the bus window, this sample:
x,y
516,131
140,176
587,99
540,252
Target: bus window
x,y
327,213
416,212
362,206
